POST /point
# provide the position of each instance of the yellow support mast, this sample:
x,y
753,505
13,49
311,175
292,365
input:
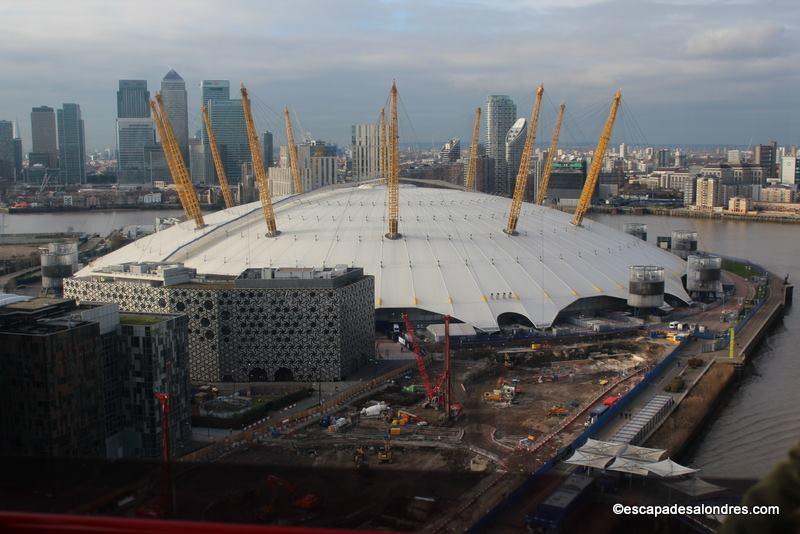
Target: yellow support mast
x,y
258,167
393,176
177,167
472,165
597,162
524,165
293,163
227,197
551,154
383,150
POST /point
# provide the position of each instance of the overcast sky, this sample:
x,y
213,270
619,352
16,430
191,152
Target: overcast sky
x,y
691,71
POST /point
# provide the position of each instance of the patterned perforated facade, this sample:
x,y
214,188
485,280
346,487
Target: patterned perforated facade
x,y
303,330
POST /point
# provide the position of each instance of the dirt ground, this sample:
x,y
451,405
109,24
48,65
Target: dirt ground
x,y
432,459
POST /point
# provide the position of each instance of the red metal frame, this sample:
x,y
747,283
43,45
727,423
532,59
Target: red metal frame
x,y
29,522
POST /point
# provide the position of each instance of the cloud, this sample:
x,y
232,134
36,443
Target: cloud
x,y
751,40
332,63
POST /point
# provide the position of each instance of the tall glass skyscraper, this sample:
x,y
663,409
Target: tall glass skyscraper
x,y
133,99
173,93
43,135
227,120
133,136
501,112
71,145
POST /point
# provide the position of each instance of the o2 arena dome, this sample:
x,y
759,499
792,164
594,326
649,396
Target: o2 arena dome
x,y
452,258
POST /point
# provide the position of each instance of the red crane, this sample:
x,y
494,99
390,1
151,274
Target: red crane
x,y
434,392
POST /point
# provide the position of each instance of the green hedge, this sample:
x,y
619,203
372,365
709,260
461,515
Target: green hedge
x,y
253,414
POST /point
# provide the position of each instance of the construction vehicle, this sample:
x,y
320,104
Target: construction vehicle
x,y
557,410
603,381
437,394
385,455
493,396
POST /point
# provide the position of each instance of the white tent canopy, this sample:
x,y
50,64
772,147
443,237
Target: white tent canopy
x,y
586,459
644,454
623,465
668,469
593,446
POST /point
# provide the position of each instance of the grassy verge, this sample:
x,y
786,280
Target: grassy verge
x,y
742,269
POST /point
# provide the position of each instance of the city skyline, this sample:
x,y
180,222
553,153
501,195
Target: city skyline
x,y
716,72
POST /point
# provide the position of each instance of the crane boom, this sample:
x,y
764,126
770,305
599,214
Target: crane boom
x,y
258,167
221,176
177,167
393,178
423,370
524,164
597,162
551,153
295,166
383,150
472,166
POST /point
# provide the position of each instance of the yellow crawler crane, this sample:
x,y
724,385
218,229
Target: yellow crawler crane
x,y
393,178
227,197
472,166
597,162
383,151
293,163
258,167
524,164
177,167
551,153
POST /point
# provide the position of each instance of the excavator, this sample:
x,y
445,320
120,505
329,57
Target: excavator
x,y
385,454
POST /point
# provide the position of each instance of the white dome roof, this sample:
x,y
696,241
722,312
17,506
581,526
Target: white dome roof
x,y
453,257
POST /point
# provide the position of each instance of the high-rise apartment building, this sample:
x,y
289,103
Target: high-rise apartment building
x,y
501,113
708,193
173,94
515,143
133,99
790,171
366,150
765,156
133,136
71,145
450,151
44,136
